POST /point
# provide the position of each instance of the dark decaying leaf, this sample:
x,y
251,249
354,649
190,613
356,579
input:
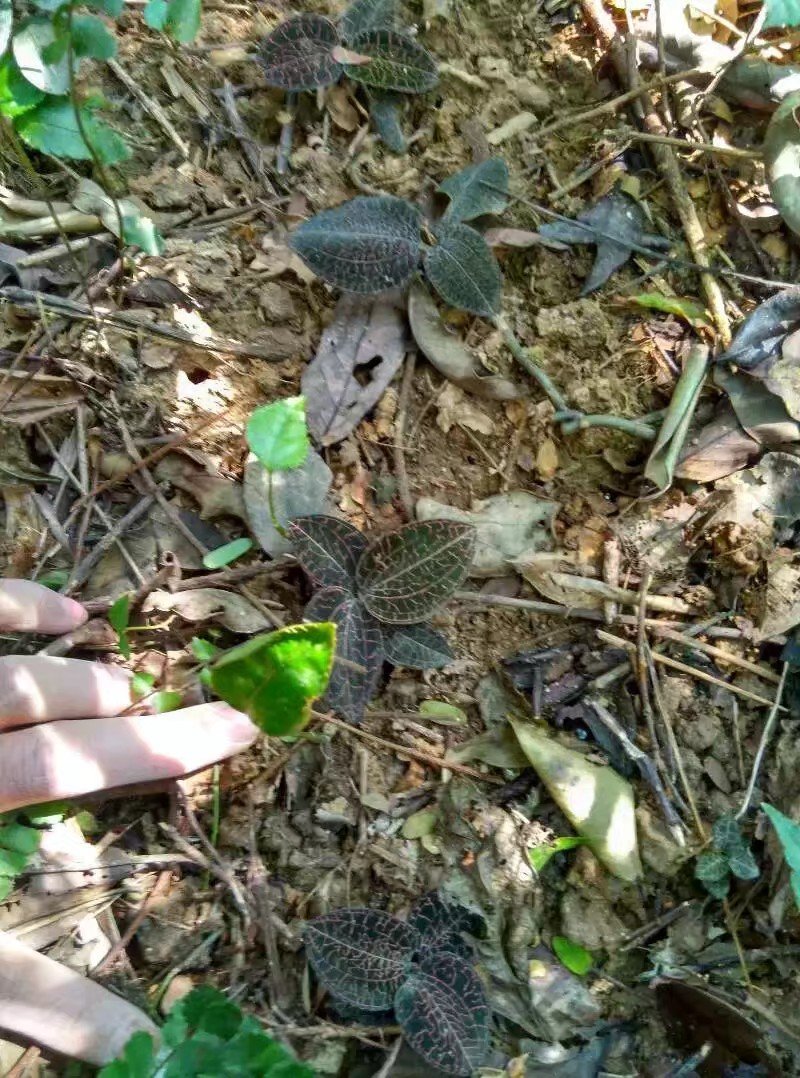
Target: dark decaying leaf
x,y
404,576
386,108
369,244
158,292
764,330
444,1013
463,270
782,160
762,414
396,62
360,955
298,54
359,641
328,549
615,225
365,15
476,190
416,646
448,353
359,354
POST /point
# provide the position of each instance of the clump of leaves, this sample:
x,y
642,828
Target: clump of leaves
x,y
379,596
306,52
788,833
20,836
41,54
421,970
729,856
205,1034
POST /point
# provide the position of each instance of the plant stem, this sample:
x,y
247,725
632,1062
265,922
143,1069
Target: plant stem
x,y
276,524
522,356
575,421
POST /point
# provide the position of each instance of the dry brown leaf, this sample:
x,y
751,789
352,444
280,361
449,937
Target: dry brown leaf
x,y
341,108
456,409
547,459
209,604
537,568
215,495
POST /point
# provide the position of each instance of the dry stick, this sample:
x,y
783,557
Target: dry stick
x,y
701,147
665,660
402,418
718,653
391,1059
668,167
157,890
83,571
641,672
405,750
666,603
766,735
287,134
250,147
150,106
612,560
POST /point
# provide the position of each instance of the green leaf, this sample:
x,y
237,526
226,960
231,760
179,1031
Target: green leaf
x,y
782,13
166,700
386,109
419,647
666,450
463,270
364,15
299,53
476,190
693,313
540,855
6,887
788,833
136,229
119,615
182,22
6,23
328,549
203,650
359,651
113,8
224,555
276,433
20,839
743,865
142,684
275,677
782,156
54,579
30,44
713,872
51,128
420,823
389,60
572,955
155,14
404,576
91,38
442,713
366,245
17,95
12,862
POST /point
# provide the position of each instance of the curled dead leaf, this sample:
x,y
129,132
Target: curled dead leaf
x,y
210,604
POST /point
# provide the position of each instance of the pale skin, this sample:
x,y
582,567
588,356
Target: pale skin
x,y
63,735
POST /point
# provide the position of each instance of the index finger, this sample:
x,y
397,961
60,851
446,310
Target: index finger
x,y
29,607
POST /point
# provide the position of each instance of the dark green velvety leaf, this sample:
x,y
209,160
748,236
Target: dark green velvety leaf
x,y
440,924
328,549
91,38
359,640
361,956
396,62
476,190
368,244
444,1013
727,835
275,677
743,864
298,54
713,872
386,108
365,15
51,127
463,270
417,646
29,45
404,576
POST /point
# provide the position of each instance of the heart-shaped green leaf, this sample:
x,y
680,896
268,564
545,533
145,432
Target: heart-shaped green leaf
x,y
298,54
463,270
328,549
404,576
277,434
368,244
476,190
389,60
359,651
275,677
417,646
572,955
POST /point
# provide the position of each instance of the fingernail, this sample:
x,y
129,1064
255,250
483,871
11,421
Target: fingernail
x,y
76,612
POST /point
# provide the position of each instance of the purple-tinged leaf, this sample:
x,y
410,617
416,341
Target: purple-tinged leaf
x,y
328,549
361,956
365,15
396,62
366,245
463,270
359,643
404,576
417,646
444,1013
440,924
298,54
359,354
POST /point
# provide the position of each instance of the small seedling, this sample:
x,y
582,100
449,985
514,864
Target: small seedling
x,y
420,971
729,856
788,833
206,1034
377,242
278,436
379,595
20,836
227,553
572,955
306,52
539,856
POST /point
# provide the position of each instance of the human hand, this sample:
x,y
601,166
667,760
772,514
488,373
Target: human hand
x,y
74,739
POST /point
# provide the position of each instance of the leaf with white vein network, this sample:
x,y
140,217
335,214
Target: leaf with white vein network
x,y
365,15
386,109
328,549
418,647
463,270
359,645
404,576
394,61
444,1013
368,244
298,54
360,955
476,190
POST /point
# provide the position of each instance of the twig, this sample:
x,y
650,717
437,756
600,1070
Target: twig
x,y
766,735
590,586
642,673
737,740
287,134
391,1059
612,559
250,147
700,147
400,469
83,571
718,653
158,889
150,106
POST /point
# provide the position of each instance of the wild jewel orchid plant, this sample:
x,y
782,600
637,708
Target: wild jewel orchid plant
x,y
306,52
